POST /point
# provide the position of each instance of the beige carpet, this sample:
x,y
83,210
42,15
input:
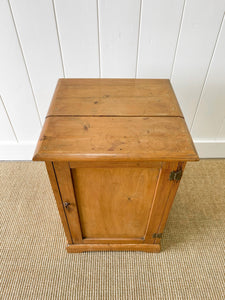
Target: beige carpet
x,y
35,264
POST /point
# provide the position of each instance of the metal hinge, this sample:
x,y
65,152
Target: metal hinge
x,y
157,235
176,175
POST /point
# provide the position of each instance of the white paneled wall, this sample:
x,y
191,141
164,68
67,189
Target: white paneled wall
x,y
198,35
160,25
35,24
77,23
210,111
40,41
15,86
118,37
6,132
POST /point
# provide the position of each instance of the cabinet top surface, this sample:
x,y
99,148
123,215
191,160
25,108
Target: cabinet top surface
x,y
114,97
114,120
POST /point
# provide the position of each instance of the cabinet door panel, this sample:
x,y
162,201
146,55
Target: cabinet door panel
x,y
114,202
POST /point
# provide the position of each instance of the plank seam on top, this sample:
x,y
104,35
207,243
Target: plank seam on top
x,y
114,116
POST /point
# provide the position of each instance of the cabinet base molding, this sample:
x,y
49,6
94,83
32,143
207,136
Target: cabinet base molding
x,y
77,248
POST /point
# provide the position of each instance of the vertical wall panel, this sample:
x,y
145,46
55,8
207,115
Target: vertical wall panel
x,y
221,134
6,131
160,24
119,27
200,26
36,28
211,110
15,87
78,32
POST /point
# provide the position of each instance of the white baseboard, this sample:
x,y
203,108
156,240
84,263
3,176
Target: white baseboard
x,y
210,148
24,151
17,151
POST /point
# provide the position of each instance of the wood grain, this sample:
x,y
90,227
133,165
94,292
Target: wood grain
x,y
114,97
67,193
55,188
122,240
114,120
167,203
116,164
114,203
113,247
115,139
164,195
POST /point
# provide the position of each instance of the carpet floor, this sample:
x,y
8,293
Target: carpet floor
x,y
35,264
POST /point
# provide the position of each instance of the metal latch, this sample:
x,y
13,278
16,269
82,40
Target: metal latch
x,y
176,175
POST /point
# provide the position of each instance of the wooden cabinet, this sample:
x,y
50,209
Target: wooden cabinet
x,y
115,151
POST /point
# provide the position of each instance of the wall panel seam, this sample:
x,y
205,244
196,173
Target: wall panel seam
x,y
220,130
3,104
178,37
99,44
57,31
22,53
138,39
206,76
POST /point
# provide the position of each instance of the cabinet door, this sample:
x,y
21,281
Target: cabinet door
x,y
114,204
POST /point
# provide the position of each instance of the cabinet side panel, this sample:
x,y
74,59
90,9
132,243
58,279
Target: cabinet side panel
x,y
163,199
65,183
169,203
54,184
